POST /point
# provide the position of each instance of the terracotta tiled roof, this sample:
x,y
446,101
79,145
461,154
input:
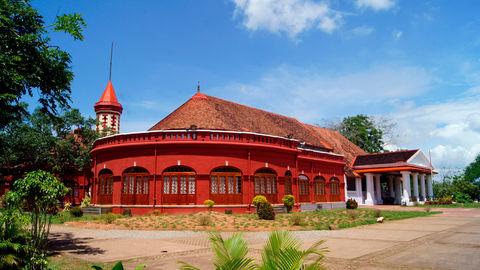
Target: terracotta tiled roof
x,y
384,158
207,112
339,143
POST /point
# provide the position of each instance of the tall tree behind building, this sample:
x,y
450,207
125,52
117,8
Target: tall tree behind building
x,y
364,131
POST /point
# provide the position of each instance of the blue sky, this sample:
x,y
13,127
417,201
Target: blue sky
x,y
414,62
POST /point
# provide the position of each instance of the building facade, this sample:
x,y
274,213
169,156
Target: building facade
x,y
210,148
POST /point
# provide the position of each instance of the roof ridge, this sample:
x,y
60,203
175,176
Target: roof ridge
x,y
386,153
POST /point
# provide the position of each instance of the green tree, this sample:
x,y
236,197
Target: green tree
x,y
362,131
472,171
57,144
28,60
39,194
281,251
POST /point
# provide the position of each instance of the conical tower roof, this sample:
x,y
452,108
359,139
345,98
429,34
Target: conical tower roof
x,y
108,100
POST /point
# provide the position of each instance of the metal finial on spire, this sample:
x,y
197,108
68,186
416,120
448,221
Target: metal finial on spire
x,y
111,56
198,87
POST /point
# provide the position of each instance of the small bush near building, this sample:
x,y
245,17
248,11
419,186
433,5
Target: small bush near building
x,y
127,212
86,202
204,220
352,214
296,219
209,204
156,213
259,199
265,211
378,213
228,211
427,209
76,212
351,204
288,202
109,218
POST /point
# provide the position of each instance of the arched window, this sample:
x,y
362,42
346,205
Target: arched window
x,y
319,189
334,189
288,183
135,186
266,184
303,188
179,186
226,185
105,182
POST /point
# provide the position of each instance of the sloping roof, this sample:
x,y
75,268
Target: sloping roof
x,y
108,97
384,158
340,144
207,112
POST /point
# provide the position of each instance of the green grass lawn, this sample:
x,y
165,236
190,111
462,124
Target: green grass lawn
x,y
63,262
453,205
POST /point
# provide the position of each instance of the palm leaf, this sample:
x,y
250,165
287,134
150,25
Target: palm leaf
x,y
282,252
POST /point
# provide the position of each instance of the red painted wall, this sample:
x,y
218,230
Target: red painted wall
x,y
203,158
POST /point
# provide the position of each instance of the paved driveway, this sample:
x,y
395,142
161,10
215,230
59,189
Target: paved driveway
x,y
447,241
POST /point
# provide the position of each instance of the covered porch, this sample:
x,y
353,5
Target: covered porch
x,y
402,177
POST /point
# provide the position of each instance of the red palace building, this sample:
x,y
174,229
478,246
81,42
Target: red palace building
x,y
210,148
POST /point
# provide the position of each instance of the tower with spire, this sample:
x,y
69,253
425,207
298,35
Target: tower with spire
x,y
108,109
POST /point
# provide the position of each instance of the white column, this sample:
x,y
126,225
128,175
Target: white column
x,y
415,186
345,189
422,187
406,187
398,190
370,192
378,190
390,186
429,186
358,188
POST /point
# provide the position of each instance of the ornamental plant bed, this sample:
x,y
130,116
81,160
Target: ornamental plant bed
x,y
215,221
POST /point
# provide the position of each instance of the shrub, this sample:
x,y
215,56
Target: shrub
x,y
67,206
462,198
127,212
76,212
296,219
156,213
259,199
351,204
209,204
109,218
63,216
288,202
265,211
86,201
352,214
228,211
204,220
427,209
378,213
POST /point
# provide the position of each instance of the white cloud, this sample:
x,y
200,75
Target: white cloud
x,y
450,128
312,94
376,5
362,30
287,16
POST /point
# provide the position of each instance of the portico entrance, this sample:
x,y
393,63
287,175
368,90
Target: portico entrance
x,y
402,177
